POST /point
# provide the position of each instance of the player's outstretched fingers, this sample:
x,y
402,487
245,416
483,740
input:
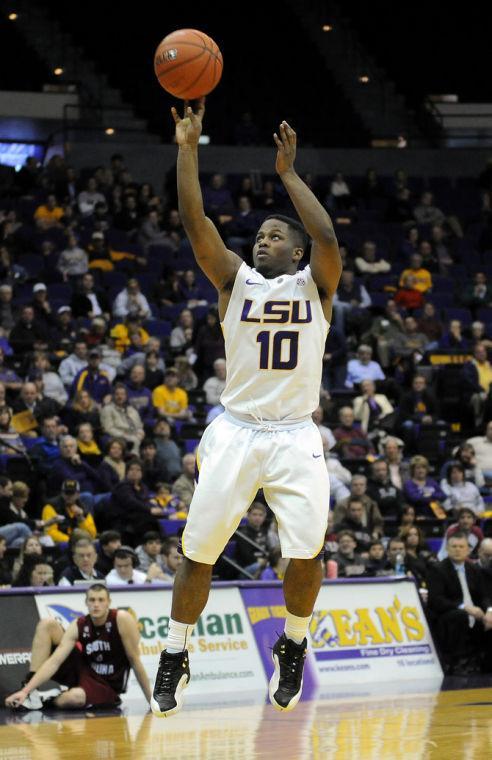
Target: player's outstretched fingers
x,y
291,135
176,116
278,141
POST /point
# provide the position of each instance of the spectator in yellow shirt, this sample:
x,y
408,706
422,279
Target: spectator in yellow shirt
x,y
423,279
71,513
170,401
48,214
123,331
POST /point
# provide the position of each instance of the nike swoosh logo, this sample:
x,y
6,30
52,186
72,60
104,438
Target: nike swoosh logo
x,y
317,456
251,282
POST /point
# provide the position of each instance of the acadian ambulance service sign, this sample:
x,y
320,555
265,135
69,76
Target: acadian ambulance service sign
x,y
223,651
365,632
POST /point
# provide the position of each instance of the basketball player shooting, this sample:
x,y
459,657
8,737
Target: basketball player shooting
x,y
275,321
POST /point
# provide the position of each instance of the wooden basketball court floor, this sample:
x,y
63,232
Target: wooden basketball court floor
x,y
408,724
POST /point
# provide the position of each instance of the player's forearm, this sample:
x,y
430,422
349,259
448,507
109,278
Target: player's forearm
x,y
189,190
142,678
44,673
314,217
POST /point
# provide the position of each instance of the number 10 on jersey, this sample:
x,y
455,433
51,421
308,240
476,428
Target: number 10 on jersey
x,y
278,350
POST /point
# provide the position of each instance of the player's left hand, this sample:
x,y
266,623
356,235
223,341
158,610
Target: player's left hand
x,y
286,148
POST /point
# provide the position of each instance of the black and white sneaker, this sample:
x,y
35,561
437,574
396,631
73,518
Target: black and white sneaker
x,y
36,699
286,682
172,678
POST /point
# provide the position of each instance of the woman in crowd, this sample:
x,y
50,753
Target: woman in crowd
x,y
422,491
87,445
30,548
82,409
460,492
35,572
112,469
418,556
11,444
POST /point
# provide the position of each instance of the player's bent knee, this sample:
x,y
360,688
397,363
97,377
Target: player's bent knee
x,y
49,625
72,699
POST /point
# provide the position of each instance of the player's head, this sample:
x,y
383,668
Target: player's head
x,y
97,600
280,245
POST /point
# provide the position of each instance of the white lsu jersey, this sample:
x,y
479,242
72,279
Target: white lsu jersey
x,y
275,333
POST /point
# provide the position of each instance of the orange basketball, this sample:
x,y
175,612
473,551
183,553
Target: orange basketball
x,y
188,64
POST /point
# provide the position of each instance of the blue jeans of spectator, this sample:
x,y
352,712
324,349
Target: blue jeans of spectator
x,y
91,500
15,534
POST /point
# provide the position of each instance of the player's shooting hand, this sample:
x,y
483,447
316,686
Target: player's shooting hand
x,y
189,128
286,148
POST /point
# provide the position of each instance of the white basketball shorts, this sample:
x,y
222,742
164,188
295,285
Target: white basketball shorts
x,y
234,460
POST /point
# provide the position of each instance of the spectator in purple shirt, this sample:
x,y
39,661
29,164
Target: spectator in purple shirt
x,y
217,199
71,467
424,493
453,339
139,396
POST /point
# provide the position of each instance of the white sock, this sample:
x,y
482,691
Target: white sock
x,y
178,636
296,628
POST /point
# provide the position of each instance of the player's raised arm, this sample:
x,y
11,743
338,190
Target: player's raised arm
x,y
219,264
326,264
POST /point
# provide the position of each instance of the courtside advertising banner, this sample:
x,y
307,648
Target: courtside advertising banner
x,y
19,616
367,632
222,649
359,633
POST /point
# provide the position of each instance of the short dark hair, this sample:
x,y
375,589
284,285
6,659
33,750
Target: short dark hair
x,y
459,534
396,540
298,232
465,510
355,500
349,533
147,442
151,535
109,535
97,587
257,505
454,466
376,542
169,543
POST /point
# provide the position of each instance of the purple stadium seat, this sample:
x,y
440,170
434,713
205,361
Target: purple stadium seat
x,y
484,315
171,527
34,264
441,300
172,313
455,312
158,328
60,291
380,299
443,284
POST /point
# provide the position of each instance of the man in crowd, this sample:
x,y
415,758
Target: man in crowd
x,y
460,611
83,566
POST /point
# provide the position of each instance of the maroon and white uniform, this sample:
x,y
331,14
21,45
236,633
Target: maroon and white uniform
x,y
98,663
